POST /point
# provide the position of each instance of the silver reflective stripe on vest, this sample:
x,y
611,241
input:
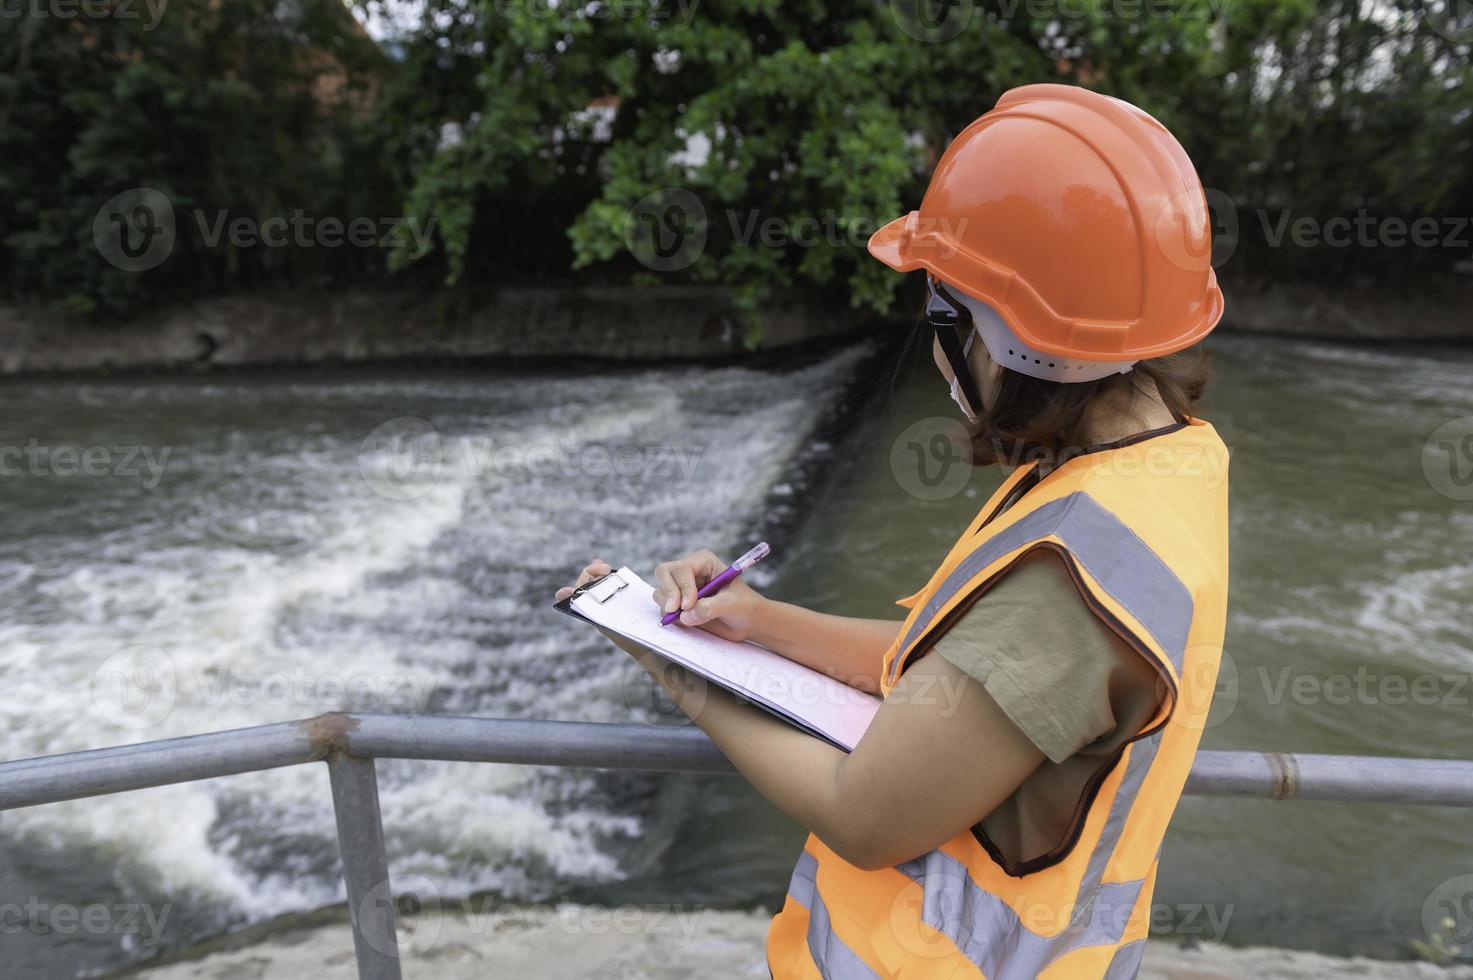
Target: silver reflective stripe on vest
x,y
1124,566
834,960
987,930
1126,962
804,883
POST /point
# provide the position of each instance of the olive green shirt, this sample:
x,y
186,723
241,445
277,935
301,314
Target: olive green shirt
x,y
1068,681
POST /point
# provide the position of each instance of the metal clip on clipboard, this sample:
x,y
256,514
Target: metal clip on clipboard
x,y
602,589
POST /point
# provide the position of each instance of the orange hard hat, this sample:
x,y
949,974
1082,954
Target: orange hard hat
x,y
1078,219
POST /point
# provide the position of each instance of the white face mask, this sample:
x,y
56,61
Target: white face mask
x,y
956,391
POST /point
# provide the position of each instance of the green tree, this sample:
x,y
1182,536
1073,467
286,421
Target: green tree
x,y
250,108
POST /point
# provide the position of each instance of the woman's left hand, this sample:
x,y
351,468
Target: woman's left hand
x,y
598,568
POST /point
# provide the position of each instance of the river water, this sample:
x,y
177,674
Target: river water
x,y
188,555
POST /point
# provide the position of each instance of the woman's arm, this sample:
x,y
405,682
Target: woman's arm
x,y
848,649
938,757
845,648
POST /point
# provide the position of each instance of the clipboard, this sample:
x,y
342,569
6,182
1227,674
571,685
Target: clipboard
x,y
804,698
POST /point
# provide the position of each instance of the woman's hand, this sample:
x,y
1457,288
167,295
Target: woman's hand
x,y
730,613
597,568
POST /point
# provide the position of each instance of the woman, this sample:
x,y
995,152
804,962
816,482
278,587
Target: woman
x,y
1043,699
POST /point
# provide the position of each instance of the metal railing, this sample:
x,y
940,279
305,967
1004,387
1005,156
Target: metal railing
x,y
350,743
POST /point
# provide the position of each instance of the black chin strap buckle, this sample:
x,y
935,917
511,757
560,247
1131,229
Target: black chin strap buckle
x,y
951,320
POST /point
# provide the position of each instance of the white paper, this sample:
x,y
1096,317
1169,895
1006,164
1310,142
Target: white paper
x,y
791,690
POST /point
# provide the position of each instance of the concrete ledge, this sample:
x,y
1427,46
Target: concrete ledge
x,y
575,942
622,323
617,323
1376,312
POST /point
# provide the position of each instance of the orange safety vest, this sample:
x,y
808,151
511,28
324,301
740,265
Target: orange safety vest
x,y
1142,527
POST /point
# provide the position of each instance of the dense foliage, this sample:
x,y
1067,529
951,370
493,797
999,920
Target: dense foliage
x,y
542,141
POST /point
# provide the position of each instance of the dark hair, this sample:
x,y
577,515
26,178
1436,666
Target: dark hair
x,y
1035,419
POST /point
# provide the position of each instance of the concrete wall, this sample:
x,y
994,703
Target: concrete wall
x,y
620,323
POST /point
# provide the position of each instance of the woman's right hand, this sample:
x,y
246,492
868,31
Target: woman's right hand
x,y
729,614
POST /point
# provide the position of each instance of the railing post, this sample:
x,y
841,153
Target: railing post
x,y
365,866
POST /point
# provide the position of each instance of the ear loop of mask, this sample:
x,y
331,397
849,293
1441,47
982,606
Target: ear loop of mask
x,y
947,317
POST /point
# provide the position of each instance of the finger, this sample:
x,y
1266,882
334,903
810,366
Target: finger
x,y
593,569
685,580
708,617
706,565
596,569
706,610
668,594
564,592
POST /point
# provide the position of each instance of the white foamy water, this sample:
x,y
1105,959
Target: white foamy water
x,y
388,546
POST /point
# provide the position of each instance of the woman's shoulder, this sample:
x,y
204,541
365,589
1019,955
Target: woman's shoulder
x,y
1055,667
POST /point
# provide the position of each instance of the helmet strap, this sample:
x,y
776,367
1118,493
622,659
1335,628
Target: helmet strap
x,y
949,317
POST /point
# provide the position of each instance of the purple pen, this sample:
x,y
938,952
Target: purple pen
x,y
721,581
